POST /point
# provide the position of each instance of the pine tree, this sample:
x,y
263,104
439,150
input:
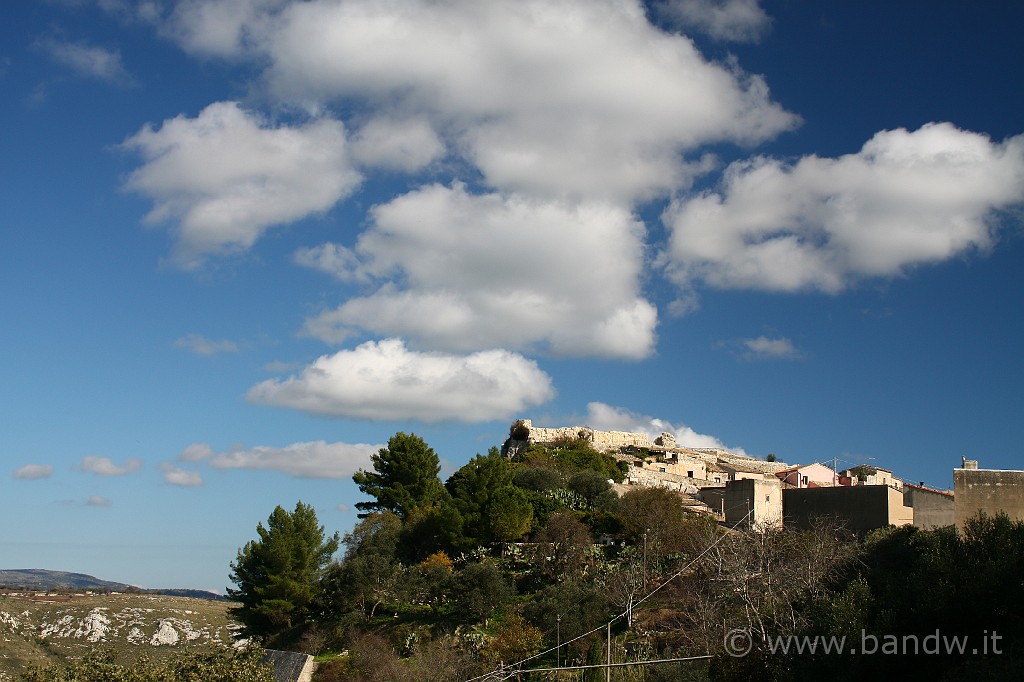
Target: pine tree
x,y
279,575
404,477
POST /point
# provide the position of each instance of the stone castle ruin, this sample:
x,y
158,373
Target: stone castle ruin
x,y
660,462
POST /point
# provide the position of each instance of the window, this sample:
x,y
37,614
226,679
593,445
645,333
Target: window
x,y
690,474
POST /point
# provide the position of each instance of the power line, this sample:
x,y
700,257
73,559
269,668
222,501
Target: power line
x,y
513,668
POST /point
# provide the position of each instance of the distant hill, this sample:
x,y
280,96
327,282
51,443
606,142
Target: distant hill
x,y
42,579
38,629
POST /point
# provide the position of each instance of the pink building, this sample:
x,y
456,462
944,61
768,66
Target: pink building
x,y
815,475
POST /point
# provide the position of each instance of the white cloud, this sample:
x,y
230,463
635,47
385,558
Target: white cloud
x,y
343,508
384,380
104,466
765,348
221,28
196,452
201,345
97,501
738,20
227,176
483,271
31,472
89,60
175,475
584,98
403,145
334,259
605,417
907,198
317,459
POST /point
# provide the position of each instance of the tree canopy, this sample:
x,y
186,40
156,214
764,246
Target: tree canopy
x,y
404,476
278,576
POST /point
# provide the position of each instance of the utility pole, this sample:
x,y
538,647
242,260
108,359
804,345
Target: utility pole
x,y
608,668
558,636
646,531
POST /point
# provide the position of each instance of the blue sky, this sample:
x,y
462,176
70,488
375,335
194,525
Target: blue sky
x,y
246,241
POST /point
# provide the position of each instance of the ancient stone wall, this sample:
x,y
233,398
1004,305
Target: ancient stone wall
x,y
603,441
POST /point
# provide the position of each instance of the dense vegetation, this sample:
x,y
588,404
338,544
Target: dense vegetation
x,y
500,564
216,665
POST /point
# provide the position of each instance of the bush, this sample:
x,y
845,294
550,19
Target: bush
x,y
223,665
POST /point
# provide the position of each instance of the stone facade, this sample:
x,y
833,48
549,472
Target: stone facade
x,y
602,441
987,490
754,503
932,508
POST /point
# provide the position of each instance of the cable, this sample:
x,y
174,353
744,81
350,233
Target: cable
x,y
675,575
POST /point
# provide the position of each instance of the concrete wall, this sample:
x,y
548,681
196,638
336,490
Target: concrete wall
x,y
932,508
290,666
858,508
988,490
762,496
713,496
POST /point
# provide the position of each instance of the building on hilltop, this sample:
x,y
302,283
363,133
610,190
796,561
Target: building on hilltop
x,y
809,476
986,490
523,433
857,508
864,474
753,503
932,508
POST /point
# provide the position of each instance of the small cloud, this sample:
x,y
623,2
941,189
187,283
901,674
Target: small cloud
x,y
182,477
97,501
317,459
729,20
104,466
196,452
31,472
89,61
278,366
764,348
334,259
200,345
343,508
610,418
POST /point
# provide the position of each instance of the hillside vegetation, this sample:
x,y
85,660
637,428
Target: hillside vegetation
x,y
39,628
500,565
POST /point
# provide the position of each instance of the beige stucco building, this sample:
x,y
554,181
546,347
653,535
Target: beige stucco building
x,y
754,503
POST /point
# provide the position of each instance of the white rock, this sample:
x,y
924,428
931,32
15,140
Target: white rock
x,y
166,634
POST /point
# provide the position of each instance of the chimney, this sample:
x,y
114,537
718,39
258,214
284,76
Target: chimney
x,y
969,463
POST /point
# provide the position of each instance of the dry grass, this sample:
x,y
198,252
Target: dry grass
x,y
36,628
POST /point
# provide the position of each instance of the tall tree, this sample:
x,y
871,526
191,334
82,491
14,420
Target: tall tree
x,y
473,489
279,575
404,477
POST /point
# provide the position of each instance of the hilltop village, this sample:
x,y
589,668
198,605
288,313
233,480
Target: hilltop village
x,y
738,490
